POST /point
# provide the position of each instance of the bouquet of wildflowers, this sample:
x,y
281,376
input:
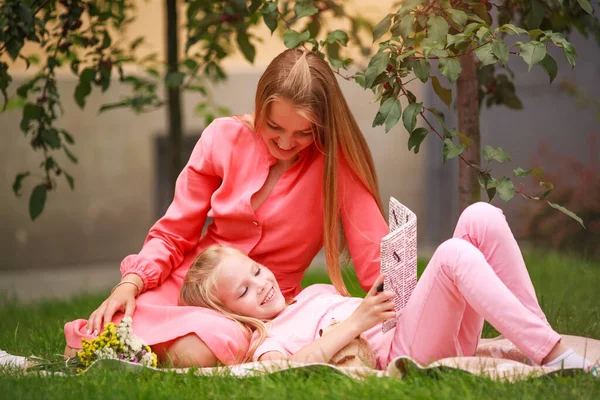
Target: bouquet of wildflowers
x,y
116,343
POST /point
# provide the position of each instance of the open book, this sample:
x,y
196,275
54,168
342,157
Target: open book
x,y
399,257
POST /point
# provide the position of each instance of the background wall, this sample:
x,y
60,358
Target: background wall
x,y
115,197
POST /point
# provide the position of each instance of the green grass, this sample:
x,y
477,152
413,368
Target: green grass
x,y
567,287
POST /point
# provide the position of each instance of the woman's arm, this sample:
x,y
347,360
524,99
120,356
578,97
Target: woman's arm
x,y
179,230
171,237
364,225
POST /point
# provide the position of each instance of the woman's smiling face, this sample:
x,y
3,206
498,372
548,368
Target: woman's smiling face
x,y
285,131
248,288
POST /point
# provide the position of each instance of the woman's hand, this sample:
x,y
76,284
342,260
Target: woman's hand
x,y
121,299
375,308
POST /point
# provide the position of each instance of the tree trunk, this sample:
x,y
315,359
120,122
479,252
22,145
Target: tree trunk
x,y
175,130
468,124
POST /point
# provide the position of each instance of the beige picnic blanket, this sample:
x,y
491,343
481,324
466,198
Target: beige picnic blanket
x,y
497,359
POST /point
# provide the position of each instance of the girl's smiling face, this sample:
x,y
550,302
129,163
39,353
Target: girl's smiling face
x,y
285,131
248,288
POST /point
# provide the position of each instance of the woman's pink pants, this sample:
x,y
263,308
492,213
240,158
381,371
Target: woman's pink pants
x,y
477,275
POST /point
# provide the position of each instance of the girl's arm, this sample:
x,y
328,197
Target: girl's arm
x,y
374,308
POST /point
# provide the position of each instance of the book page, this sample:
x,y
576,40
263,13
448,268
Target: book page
x,y
399,257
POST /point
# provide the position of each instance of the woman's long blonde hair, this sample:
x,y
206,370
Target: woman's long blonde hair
x,y
199,289
303,78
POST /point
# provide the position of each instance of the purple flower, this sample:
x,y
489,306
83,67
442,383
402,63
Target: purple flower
x,y
135,359
143,352
121,356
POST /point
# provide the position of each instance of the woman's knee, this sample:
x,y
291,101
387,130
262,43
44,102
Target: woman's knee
x,y
70,352
186,351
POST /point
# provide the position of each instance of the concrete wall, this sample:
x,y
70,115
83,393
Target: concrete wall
x,y
113,205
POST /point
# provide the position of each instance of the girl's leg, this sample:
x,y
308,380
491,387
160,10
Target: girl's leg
x,y
485,227
458,290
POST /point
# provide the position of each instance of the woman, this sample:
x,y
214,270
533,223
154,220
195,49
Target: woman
x,y
279,185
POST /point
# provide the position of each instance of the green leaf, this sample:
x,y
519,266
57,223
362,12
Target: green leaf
x,y
535,33
444,94
37,201
500,50
567,212
383,112
437,28
441,119
464,139
51,137
416,138
70,155
174,79
292,39
486,55
106,41
534,15
458,17
505,188
70,180
337,36
570,53
512,29
483,34
451,149
421,69
488,183
520,172
84,88
407,26
304,9
68,138
587,7
30,112
495,154
19,183
245,46
549,187
549,65
271,19
382,27
457,39
376,66
481,11
450,68
136,43
393,115
533,52
409,118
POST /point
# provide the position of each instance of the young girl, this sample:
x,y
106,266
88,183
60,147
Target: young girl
x,y
481,276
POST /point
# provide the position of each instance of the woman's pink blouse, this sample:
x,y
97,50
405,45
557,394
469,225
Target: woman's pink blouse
x,y
228,165
231,163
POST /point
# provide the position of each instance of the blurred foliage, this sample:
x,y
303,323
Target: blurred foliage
x,y
419,38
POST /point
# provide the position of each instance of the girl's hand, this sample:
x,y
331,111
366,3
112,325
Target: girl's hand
x,y
121,299
375,308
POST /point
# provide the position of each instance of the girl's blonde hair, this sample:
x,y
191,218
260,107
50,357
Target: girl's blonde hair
x,y
199,289
306,80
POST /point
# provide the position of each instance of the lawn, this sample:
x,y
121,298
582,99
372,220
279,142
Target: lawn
x,y
567,288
